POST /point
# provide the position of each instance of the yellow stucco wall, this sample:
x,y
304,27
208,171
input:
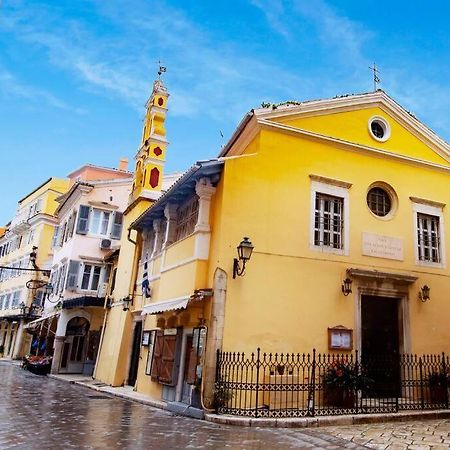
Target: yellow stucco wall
x,y
353,126
291,293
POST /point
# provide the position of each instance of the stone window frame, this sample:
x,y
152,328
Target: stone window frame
x,y
333,188
432,211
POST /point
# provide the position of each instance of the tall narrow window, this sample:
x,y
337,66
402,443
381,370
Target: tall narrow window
x,y
99,222
91,277
428,238
187,218
328,221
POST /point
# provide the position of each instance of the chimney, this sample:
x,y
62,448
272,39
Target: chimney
x,y
123,164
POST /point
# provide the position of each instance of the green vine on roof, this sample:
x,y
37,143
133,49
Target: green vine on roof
x,y
276,105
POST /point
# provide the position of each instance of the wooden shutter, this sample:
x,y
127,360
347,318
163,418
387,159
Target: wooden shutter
x,y
191,372
72,277
83,219
116,229
63,234
55,237
157,354
167,371
72,221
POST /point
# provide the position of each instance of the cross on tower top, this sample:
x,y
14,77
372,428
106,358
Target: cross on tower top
x,y
161,70
376,78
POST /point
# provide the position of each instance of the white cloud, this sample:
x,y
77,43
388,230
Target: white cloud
x,y
10,86
274,12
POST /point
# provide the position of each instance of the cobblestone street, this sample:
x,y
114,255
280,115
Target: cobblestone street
x,y
42,413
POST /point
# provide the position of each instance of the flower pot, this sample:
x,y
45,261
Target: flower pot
x,y
339,397
438,394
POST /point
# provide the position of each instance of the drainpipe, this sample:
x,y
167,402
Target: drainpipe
x,y
135,270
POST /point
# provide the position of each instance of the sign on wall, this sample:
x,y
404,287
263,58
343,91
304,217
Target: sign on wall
x,y
380,246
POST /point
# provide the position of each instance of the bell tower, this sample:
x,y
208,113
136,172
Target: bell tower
x,y
150,158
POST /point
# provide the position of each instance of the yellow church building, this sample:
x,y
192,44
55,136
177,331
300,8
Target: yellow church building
x,y
338,210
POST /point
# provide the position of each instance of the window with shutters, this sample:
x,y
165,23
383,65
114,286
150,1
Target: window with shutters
x,y
90,277
187,216
99,222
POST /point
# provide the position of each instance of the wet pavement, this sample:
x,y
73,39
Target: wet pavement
x,y
43,413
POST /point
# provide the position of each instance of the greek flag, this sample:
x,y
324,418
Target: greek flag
x,y
146,289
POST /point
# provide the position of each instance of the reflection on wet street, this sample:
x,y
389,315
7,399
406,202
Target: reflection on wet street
x,y
42,413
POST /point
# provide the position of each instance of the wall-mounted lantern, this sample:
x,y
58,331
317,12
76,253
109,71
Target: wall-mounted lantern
x,y
347,286
244,249
127,301
24,309
424,293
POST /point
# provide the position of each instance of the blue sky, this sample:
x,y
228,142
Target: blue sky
x,y
75,75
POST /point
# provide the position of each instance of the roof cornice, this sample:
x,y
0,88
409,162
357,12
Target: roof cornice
x,y
268,124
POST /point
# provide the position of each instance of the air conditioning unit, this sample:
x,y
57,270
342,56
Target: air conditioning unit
x,y
103,290
105,244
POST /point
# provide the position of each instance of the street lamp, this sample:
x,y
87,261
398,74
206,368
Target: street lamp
x,y
24,309
424,293
126,302
347,286
244,249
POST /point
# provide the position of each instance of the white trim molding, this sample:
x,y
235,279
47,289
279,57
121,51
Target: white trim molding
x,y
427,208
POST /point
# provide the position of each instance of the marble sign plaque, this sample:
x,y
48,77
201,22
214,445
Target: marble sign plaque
x,y
380,246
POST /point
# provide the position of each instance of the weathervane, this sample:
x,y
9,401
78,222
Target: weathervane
x,y
376,78
162,69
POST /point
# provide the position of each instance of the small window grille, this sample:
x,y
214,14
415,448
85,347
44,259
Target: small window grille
x,y
379,201
428,238
187,218
328,221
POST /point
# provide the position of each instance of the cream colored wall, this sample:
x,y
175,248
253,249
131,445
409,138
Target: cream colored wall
x,y
113,358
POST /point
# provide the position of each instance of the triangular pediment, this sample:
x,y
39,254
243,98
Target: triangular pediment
x,y
348,119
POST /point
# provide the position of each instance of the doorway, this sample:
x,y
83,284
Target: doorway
x,y
135,351
74,349
380,344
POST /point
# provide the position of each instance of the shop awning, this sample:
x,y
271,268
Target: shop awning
x,y
36,322
169,305
82,302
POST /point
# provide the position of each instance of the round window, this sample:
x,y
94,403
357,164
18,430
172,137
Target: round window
x,y
379,129
379,201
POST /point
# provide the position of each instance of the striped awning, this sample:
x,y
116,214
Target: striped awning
x,y
36,322
168,305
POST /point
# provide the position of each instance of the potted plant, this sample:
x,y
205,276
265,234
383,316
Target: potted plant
x,y
222,396
438,383
341,381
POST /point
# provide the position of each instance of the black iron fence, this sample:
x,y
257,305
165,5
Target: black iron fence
x,y
296,385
